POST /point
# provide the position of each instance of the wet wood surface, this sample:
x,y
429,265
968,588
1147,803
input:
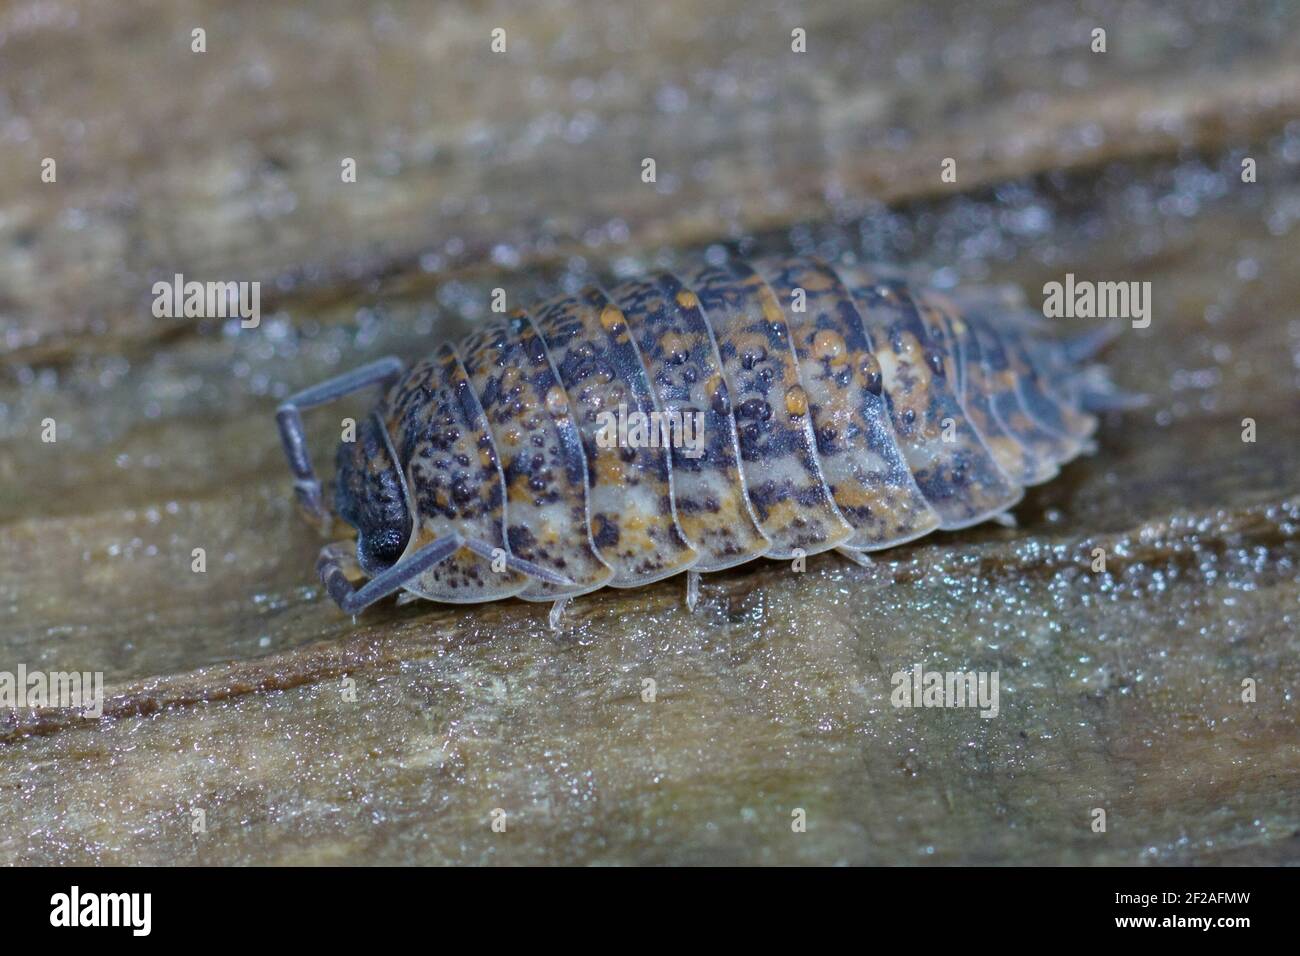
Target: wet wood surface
x,y
307,737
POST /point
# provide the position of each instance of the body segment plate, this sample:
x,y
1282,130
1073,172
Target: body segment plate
x,y
454,481
789,493
682,360
541,455
955,471
1040,363
866,470
1021,343
633,521
997,415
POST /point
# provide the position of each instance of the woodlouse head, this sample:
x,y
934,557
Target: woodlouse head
x,y
371,496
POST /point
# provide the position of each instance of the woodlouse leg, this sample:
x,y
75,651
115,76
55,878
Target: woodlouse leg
x,y
488,552
692,590
857,557
353,600
879,575
343,556
1097,393
557,612
1080,348
1006,519
288,417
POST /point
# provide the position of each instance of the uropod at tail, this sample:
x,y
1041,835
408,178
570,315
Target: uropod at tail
x,y
690,422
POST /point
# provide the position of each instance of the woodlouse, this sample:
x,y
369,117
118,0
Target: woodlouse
x,y
840,408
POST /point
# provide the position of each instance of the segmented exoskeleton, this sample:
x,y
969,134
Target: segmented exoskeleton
x,y
835,407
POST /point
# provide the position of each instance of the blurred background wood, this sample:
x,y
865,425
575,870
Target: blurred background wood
x,y
523,170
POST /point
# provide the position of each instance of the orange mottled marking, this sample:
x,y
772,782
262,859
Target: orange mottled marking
x,y
829,345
